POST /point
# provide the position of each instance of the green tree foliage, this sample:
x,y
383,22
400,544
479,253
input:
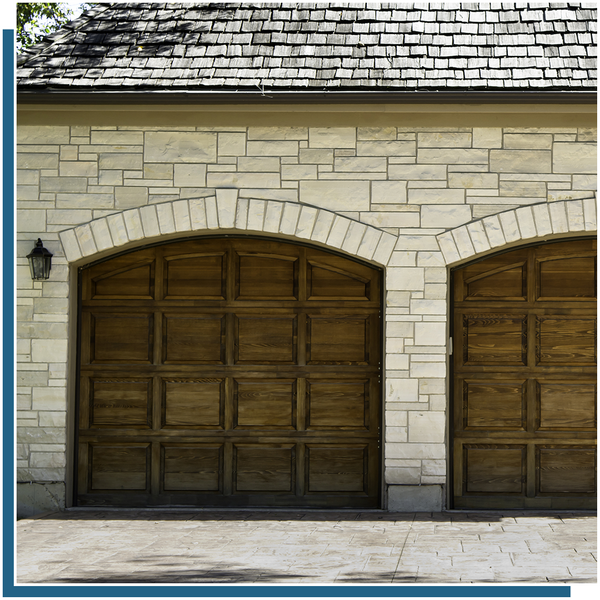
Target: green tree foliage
x,y
38,19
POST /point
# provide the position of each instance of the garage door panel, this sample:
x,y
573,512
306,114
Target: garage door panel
x,y
120,403
267,277
266,340
121,338
508,282
494,404
193,403
194,339
119,467
566,341
338,340
129,282
192,467
566,406
196,276
264,468
498,469
265,404
337,468
569,278
326,282
337,405
495,339
566,470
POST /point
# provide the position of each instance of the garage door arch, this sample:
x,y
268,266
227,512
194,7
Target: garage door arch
x,y
229,371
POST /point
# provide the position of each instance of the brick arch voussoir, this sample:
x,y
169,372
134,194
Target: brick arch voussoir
x,y
545,220
225,212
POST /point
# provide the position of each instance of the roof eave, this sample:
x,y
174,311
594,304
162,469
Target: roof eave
x,y
462,96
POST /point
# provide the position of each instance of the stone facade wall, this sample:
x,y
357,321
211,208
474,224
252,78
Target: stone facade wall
x,y
413,200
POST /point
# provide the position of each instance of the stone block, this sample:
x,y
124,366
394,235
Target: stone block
x,y
43,134
430,334
259,164
427,369
336,195
396,362
231,144
526,189
101,234
396,418
118,138
316,156
130,197
426,427
181,214
388,192
386,148
297,172
256,214
120,161
405,278
149,221
356,164
403,475
558,217
78,169
446,216
458,156
29,193
273,148
487,137
575,215
471,181
37,160
338,231
133,224
510,226
415,498
70,245
390,219
322,226
158,171
63,184
444,140
197,213
464,245
47,460
81,200
180,147
376,133
273,214
589,214
574,158
289,219
226,207
49,398
401,390
31,378
332,137
521,161
189,175
585,182
533,141
36,498
417,172
278,133
369,242
243,180
436,196
31,221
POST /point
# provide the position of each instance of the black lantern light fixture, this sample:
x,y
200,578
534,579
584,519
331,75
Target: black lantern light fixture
x,y
40,262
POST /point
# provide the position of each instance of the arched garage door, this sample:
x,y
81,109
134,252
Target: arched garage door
x,y
524,400
229,372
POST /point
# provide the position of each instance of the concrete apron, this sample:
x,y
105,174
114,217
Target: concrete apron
x,y
305,547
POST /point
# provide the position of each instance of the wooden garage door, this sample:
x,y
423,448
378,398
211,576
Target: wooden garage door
x,y
524,400
229,372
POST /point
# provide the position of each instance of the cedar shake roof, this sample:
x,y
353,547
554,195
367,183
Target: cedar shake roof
x,y
265,48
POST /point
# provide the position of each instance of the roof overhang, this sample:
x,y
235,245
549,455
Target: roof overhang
x,y
466,96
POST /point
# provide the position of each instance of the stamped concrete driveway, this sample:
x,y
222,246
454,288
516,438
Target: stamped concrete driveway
x,y
305,547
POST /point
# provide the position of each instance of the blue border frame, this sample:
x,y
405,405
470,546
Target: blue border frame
x,y
219,591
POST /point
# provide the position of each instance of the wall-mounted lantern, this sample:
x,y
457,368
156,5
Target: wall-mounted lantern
x,y
40,262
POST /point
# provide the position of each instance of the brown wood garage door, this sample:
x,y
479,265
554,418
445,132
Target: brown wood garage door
x,y
524,399
229,372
